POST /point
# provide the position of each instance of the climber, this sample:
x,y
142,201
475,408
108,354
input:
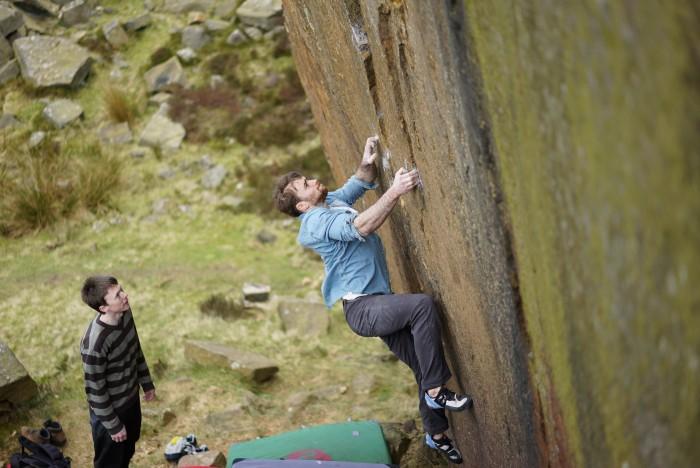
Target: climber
x,y
356,272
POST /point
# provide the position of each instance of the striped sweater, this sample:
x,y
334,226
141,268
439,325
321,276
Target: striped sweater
x,y
114,368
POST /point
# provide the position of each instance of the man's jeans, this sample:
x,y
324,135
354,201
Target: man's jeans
x,y
410,326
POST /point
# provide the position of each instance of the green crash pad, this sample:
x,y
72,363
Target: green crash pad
x,y
357,441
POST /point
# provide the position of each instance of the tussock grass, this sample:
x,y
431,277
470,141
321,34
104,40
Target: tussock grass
x,y
43,185
120,107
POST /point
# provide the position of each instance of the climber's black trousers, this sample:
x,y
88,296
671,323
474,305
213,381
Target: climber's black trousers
x,y
410,326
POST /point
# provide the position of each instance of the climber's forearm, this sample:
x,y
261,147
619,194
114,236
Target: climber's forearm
x,y
373,217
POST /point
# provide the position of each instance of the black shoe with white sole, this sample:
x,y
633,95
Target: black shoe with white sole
x,y
446,448
449,400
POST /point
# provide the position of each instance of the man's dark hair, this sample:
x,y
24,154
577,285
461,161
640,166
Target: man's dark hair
x,y
285,198
95,289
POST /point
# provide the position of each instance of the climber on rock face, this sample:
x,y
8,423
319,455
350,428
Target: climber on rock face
x,y
356,272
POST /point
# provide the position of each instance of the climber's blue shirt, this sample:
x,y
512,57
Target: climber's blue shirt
x,y
353,263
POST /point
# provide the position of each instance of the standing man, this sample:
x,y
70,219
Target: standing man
x,y
356,272
114,369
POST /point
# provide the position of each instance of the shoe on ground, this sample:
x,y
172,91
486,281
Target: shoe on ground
x,y
58,437
38,436
445,447
449,400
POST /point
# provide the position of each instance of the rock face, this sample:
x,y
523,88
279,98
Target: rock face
x,y
47,61
265,14
16,386
167,73
305,318
568,294
249,365
61,112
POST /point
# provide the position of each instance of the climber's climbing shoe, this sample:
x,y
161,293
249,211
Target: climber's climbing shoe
x,y
449,400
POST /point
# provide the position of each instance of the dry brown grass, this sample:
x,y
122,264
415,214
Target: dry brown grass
x,y
51,182
119,105
204,112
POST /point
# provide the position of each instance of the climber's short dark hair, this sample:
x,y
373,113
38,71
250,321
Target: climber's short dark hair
x,y
95,289
285,197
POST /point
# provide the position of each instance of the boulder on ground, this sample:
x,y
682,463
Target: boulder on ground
x,y
16,386
195,37
265,14
43,8
6,52
9,71
61,112
210,458
256,292
8,121
226,9
139,22
214,25
165,74
115,133
249,365
47,61
115,34
185,6
10,20
214,177
236,37
307,318
161,132
75,12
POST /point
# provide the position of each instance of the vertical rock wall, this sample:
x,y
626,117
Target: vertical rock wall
x,y
559,220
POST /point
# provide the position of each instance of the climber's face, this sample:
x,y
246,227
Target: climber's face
x,y
309,192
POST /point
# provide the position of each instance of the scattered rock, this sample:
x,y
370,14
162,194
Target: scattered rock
x,y
166,173
61,112
214,25
275,32
163,133
75,12
36,138
210,458
256,292
115,34
249,365
226,9
253,33
8,121
195,37
216,81
185,6
9,71
43,8
306,318
139,22
6,52
231,202
115,133
236,37
167,73
265,14
52,61
16,386
10,20
160,98
160,206
205,162
138,153
187,55
266,237
214,177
